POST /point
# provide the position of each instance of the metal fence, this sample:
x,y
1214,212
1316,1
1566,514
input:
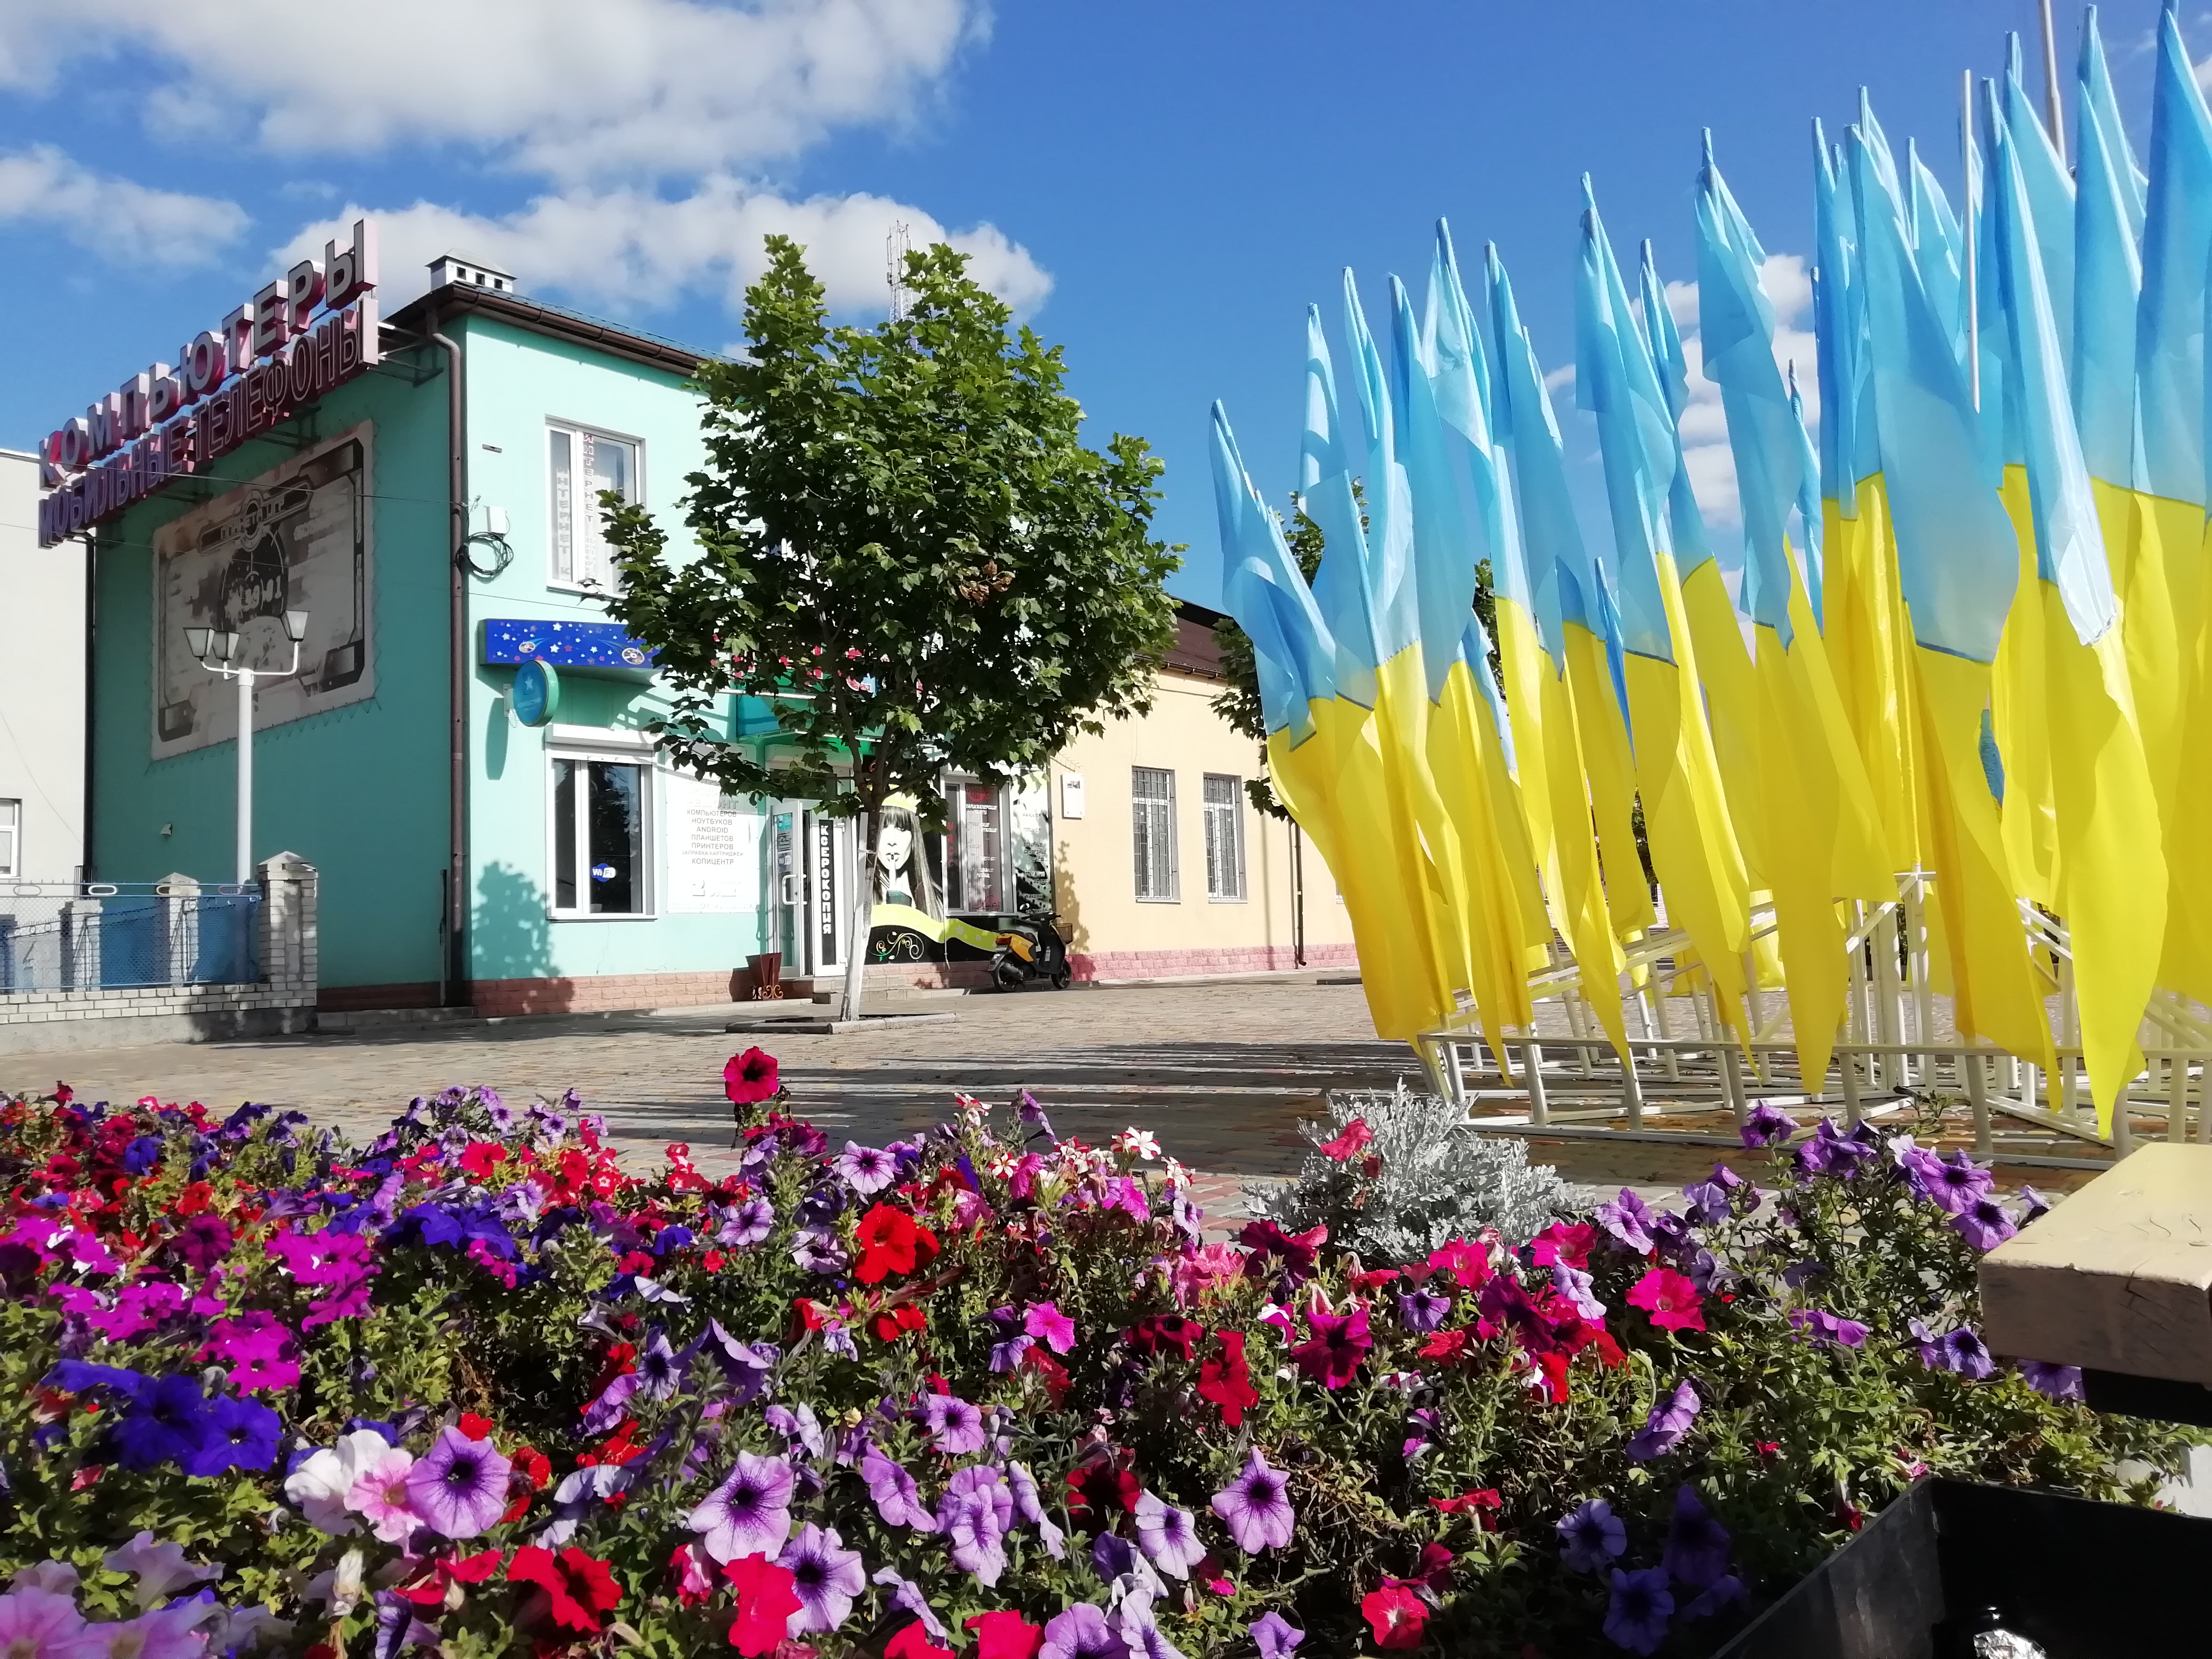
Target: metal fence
x,y
117,935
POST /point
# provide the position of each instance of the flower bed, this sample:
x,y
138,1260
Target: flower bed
x,y
476,1387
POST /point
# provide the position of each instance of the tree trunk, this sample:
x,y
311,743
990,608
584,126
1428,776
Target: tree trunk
x,y
864,894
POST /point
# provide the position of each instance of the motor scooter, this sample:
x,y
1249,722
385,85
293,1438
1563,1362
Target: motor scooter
x,y
1030,947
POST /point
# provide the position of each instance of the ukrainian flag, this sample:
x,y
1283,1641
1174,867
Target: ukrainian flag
x,y
1693,847
1822,842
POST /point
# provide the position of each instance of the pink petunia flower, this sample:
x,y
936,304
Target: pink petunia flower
x,y
1670,1298
379,1497
1045,1321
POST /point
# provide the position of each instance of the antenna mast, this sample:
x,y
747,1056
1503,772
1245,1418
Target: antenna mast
x,y
896,247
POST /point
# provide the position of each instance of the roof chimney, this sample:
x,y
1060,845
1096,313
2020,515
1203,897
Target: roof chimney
x,y
453,269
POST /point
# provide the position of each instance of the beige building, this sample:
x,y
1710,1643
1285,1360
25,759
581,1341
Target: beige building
x,y
1161,866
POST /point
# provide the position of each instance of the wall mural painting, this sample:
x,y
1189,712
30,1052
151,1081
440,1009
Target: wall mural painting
x,y
298,537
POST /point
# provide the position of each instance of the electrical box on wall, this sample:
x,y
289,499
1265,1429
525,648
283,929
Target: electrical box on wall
x,y
1070,795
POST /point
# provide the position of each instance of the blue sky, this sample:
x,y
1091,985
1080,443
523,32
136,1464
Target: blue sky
x,y
1162,188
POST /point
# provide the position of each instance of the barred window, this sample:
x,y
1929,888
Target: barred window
x,y
1151,792
1225,836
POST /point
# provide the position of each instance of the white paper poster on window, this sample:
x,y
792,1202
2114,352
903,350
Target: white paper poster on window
x,y
298,537
714,843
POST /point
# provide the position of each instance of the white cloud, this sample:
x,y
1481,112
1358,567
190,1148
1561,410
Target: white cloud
x,y
123,221
569,89
631,249
1788,283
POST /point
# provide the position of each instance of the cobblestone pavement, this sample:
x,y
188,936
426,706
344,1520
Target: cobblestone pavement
x,y
1221,1071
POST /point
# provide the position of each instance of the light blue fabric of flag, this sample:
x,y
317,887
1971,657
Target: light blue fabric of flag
x,y
1808,509
1341,586
1264,590
2177,240
1957,559
1685,523
2107,276
1521,411
1392,594
2050,194
1938,248
1838,327
2100,105
1442,499
1736,321
1616,381
2069,547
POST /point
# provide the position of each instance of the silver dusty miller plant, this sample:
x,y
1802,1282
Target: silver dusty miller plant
x,y
1423,1180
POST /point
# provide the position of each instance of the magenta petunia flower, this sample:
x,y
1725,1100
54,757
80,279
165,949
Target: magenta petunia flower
x,y
1045,1321
1256,1507
459,1485
825,1576
1168,1536
955,1426
750,1513
1332,1354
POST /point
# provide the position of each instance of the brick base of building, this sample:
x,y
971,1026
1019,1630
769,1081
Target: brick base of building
x,y
1177,964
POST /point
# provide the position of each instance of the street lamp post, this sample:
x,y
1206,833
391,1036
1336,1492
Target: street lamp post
x,y
229,647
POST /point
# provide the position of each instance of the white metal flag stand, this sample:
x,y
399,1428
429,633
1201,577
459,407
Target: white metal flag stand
x,y
1687,1080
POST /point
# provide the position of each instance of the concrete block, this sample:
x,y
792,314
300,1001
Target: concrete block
x,y
2119,1278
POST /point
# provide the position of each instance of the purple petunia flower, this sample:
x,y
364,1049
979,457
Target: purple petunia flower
x,y
1274,1635
956,1427
1984,1224
908,1597
817,1249
2059,1382
1797,1272
1082,1633
1006,1356
898,1500
745,1224
1827,1330
972,1526
1709,1203
1422,1312
459,1485
1256,1506
1029,1507
1725,1592
2032,1204
164,1422
1930,1345
1033,1118
798,1423
825,1576
1574,1287
1635,1618
1626,1221
1168,1536
1697,1552
866,1169
750,1513
1668,1422
1765,1125
1957,1183
238,1434
659,1367
1591,1537
1966,1353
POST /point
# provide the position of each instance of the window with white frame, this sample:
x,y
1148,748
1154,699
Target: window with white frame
x,y
1225,836
581,464
11,838
599,837
1152,793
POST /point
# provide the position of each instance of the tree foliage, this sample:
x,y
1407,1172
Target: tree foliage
x,y
904,544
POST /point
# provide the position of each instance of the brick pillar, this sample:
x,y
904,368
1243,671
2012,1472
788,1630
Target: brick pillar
x,y
289,957
181,926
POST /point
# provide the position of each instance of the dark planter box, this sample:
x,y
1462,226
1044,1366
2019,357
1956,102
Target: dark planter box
x,y
2084,1579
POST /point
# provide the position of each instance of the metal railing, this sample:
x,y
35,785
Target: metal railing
x,y
61,936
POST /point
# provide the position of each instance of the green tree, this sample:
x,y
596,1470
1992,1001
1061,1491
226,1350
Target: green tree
x,y
904,546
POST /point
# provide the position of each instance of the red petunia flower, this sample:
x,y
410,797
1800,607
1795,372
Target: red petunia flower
x,y
766,1601
914,1642
1670,1298
1097,1492
1395,1614
1005,1634
578,1586
1445,1344
1483,1504
896,1322
531,1469
1227,1381
750,1077
888,1240
1163,1331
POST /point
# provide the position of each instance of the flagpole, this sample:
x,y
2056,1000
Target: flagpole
x,y
1966,161
2054,110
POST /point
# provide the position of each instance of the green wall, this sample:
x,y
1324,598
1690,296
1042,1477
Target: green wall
x,y
359,791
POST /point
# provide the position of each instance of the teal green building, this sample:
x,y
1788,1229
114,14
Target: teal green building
x,y
435,515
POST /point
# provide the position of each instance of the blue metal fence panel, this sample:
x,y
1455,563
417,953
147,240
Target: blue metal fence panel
x,y
114,935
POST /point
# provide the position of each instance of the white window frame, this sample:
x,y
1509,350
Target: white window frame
x,y
1137,805
577,431
11,840
1230,814
615,747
